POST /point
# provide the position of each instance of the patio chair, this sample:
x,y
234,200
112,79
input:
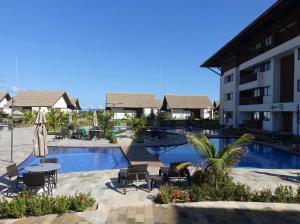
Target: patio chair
x,y
35,181
134,173
52,175
64,132
14,176
76,134
172,173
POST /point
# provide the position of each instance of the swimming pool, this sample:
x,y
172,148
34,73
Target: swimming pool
x,y
77,159
258,156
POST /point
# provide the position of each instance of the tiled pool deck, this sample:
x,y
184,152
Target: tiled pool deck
x,y
137,206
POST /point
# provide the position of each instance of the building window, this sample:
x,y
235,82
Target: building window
x,y
268,41
228,96
267,91
228,114
256,115
267,66
298,85
298,53
256,92
257,69
228,78
267,116
257,46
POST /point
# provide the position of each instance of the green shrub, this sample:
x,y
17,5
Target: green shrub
x,y
264,195
164,195
81,202
297,196
46,205
34,205
227,190
242,192
4,208
61,204
17,207
196,193
284,194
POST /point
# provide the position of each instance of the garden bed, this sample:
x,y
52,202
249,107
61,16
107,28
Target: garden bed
x,y
34,205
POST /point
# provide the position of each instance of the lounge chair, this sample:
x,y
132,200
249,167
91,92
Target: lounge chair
x,y
134,173
14,176
52,175
64,132
35,181
81,133
172,173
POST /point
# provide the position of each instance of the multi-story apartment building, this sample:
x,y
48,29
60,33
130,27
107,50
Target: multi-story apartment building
x,y
260,72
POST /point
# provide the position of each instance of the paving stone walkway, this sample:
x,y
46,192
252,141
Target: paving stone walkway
x,y
244,213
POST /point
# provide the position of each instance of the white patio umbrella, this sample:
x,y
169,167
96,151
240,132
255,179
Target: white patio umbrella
x,y
40,136
95,120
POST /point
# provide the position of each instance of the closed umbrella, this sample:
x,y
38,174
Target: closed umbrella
x,y
95,120
40,137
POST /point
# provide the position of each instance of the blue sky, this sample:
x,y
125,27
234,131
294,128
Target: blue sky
x,y
92,47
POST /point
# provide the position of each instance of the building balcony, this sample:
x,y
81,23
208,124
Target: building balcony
x,y
251,100
247,77
255,124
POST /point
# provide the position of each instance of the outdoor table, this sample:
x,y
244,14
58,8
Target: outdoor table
x,y
45,167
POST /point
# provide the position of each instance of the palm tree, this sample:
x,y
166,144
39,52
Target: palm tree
x,y
105,123
28,117
137,123
218,162
52,119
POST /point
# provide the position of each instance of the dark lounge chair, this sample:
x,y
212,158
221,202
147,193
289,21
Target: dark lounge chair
x,y
52,175
173,173
14,176
134,173
35,181
64,132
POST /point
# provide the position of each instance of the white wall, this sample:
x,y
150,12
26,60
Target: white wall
x,y
60,104
43,109
231,105
147,111
3,102
121,113
206,113
4,110
180,114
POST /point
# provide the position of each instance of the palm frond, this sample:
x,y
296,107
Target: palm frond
x,y
183,165
205,148
243,140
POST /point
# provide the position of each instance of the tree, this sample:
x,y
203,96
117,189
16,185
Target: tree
x,y
52,120
105,123
137,123
217,162
166,115
28,117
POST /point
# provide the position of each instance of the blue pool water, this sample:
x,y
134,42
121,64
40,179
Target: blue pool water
x,y
258,156
75,159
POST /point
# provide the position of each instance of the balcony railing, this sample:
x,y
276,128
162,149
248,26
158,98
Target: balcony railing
x,y
251,100
248,78
257,124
